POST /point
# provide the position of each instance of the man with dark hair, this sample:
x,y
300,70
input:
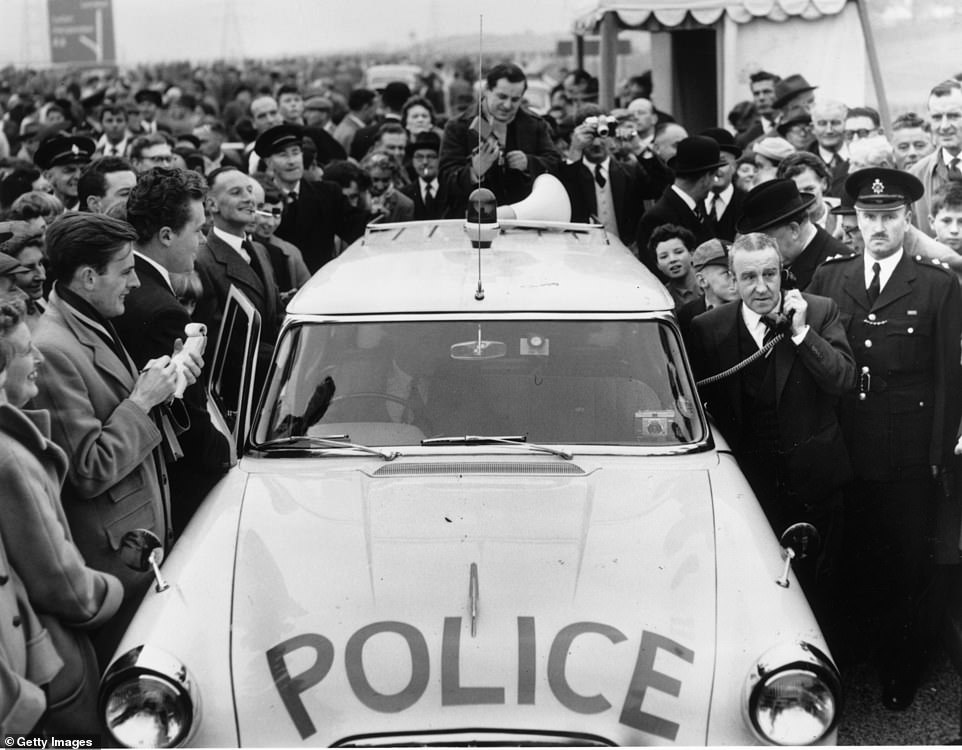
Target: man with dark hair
x,y
104,182
762,85
314,211
101,408
682,203
502,147
362,107
776,208
911,139
166,209
149,103
425,190
116,138
391,138
290,103
393,98
149,151
211,134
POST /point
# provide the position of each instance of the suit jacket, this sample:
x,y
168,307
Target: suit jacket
x,y
220,267
422,212
809,379
630,186
116,481
527,133
319,214
669,209
288,264
909,341
67,595
839,173
153,319
933,174
822,246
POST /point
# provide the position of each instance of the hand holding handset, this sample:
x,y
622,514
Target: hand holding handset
x,y
194,343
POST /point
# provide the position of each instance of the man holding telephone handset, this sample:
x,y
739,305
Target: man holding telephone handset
x,y
503,147
778,413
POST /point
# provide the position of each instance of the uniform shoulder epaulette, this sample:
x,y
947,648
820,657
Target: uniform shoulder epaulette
x,y
932,263
841,257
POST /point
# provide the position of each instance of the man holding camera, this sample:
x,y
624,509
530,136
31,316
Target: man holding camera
x,y
502,147
603,188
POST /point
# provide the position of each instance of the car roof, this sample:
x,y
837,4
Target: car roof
x,y
431,267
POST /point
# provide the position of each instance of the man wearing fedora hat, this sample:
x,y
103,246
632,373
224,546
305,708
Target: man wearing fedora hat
x,y
794,91
694,164
62,157
710,262
425,190
723,205
777,209
903,319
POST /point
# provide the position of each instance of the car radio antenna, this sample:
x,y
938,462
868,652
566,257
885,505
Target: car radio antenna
x,y
479,292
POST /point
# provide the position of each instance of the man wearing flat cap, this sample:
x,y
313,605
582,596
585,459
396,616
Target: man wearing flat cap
x,y
423,155
710,263
314,212
694,164
777,209
903,319
62,157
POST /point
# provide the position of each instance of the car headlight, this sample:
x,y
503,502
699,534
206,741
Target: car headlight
x,y
793,695
147,699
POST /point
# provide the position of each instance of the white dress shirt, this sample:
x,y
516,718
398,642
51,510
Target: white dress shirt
x,y
886,267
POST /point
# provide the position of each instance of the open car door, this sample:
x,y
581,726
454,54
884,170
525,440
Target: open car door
x,y
230,388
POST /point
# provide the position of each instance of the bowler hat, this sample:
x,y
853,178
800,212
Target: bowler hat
x,y
276,138
428,140
149,95
697,153
709,253
881,189
770,204
790,87
725,140
59,150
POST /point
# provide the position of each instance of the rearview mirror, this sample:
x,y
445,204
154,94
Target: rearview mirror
x,y
479,349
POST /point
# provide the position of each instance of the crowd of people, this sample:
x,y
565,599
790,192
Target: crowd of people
x,y
804,238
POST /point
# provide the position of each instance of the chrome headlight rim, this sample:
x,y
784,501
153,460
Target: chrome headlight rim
x,y
151,662
799,656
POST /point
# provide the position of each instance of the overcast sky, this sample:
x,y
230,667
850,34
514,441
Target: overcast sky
x,y
150,30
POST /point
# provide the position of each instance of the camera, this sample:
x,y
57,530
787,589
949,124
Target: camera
x,y
601,124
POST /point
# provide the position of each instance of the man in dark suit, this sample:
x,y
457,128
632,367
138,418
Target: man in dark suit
x,y
723,205
315,212
777,209
502,148
828,127
426,190
903,319
682,203
779,413
602,188
762,85
166,209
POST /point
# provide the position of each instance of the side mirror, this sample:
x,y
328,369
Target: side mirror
x,y
800,540
141,550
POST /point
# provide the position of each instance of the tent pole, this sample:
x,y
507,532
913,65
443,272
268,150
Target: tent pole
x,y
873,61
608,60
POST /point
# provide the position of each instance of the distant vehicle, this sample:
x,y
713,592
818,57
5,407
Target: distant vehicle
x,y
478,504
378,76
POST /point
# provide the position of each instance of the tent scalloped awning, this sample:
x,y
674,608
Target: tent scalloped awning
x,y
653,15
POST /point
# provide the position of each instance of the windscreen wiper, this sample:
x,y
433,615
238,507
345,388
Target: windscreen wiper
x,y
327,441
515,440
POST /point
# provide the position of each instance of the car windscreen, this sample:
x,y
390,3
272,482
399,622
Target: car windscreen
x,y
603,382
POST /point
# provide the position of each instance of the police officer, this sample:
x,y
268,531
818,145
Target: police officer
x,y
903,318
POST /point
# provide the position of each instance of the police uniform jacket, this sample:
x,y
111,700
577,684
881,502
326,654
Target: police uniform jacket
x,y
808,378
905,416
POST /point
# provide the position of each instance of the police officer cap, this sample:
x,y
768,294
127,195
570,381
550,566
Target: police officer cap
x,y
880,189
709,253
59,149
277,138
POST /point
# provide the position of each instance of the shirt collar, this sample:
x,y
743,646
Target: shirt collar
x,y
947,157
591,165
752,318
234,241
684,196
886,266
160,269
724,197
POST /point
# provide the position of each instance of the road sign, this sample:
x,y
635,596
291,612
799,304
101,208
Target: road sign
x,y
81,31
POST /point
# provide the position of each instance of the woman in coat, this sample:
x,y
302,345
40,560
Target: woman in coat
x,y
69,597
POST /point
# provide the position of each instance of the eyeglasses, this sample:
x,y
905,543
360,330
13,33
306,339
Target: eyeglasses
x,y
851,135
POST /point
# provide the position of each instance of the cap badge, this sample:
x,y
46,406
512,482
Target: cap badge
x,y
877,187
74,150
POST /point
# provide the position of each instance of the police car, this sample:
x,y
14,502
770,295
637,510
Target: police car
x,y
478,502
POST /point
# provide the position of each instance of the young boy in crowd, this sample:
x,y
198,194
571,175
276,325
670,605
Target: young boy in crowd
x,y
946,217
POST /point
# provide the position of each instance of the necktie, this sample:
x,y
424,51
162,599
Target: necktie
x,y
875,287
254,261
428,196
599,177
770,329
713,208
954,172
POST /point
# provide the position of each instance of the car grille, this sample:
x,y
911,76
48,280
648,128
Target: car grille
x,y
527,468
